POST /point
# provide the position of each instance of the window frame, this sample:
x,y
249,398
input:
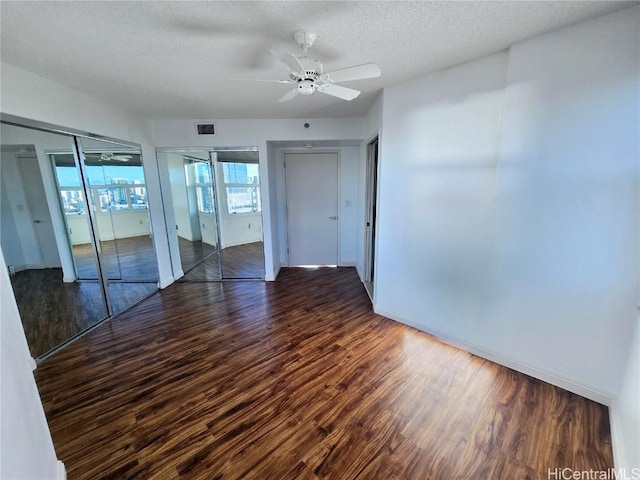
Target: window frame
x,y
224,186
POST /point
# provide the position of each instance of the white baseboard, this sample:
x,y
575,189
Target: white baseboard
x,y
61,473
360,272
68,278
28,266
236,244
166,281
617,444
571,385
272,277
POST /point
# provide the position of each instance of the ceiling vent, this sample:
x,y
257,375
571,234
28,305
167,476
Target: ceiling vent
x,y
206,128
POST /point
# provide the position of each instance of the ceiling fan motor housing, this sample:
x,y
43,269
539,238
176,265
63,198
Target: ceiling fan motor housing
x,y
306,87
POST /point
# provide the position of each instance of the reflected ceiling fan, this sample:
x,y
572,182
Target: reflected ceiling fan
x,y
106,157
307,76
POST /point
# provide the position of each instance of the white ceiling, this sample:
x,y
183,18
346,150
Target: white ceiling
x,y
181,59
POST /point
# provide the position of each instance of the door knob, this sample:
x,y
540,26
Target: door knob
x,y
333,218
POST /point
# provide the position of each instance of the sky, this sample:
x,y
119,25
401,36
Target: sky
x,y
68,176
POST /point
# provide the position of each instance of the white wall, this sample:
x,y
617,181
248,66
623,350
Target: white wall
x,y
350,201
239,229
256,133
121,224
26,448
625,411
519,173
566,222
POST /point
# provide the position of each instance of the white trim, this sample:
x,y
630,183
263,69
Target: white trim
x,y
605,398
272,277
34,365
61,471
348,264
617,443
166,281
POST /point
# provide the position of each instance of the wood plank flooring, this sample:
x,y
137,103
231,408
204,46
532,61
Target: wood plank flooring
x,y
52,311
299,379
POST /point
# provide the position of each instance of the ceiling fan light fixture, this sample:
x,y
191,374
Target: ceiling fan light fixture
x,y
306,87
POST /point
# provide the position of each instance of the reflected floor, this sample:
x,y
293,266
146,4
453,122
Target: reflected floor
x,y
130,259
52,311
241,261
192,253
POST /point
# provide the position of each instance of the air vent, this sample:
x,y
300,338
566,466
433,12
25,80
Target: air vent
x,y
206,128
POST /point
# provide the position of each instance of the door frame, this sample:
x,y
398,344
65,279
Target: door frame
x,y
372,189
299,151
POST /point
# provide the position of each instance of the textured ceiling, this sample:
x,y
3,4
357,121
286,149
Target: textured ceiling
x,y
182,59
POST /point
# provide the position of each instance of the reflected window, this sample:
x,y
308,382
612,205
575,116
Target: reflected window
x,y
113,187
204,188
70,190
242,187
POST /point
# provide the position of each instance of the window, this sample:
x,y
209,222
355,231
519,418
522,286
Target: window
x,y
204,189
242,187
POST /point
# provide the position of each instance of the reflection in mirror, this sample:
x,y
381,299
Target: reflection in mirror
x,y
193,203
240,216
42,214
217,209
118,189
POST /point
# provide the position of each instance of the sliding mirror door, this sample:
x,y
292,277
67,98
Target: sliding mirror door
x,y
45,237
240,213
188,193
118,192
217,211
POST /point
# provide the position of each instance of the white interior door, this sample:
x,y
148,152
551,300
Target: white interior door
x,y
312,208
39,210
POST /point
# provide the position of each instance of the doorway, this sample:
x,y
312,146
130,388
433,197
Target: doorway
x,y
370,212
311,188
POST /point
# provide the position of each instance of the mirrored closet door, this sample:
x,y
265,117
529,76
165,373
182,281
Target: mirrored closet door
x,y
75,231
217,211
116,182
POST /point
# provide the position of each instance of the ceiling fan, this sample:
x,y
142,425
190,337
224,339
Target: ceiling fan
x,y
307,75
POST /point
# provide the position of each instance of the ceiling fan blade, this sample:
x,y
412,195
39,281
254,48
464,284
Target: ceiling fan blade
x,y
290,95
289,59
359,72
264,80
339,91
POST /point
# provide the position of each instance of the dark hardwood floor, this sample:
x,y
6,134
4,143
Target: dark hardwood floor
x,y
52,311
299,379
239,262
